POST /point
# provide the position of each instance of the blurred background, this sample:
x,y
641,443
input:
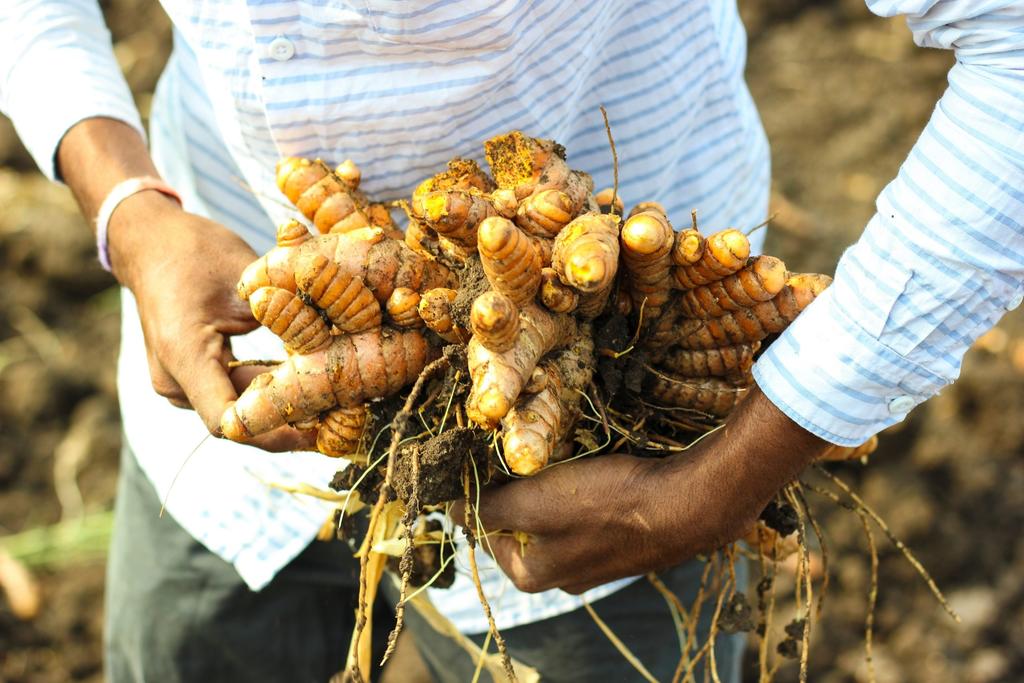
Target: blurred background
x,y
843,95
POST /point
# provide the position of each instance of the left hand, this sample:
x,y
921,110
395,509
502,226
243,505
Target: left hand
x,y
596,520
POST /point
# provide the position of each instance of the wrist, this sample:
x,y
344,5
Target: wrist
x,y
734,472
140,232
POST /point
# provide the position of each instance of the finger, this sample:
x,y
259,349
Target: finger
x,y
516,505
164,384
237,317
526,574
205,380
581,588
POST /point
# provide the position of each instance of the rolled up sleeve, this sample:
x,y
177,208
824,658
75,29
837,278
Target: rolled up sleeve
x,y
943,258
57,67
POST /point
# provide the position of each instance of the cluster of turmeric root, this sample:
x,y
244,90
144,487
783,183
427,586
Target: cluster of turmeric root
x,y
523,271
521,267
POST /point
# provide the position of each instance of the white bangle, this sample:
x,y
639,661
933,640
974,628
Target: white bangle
x,y
120,192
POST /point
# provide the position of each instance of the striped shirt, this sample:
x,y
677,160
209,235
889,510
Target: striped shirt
x,y
943,258
400,86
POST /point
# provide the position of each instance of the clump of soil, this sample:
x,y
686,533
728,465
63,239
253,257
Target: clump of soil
x,y
472,283
441,460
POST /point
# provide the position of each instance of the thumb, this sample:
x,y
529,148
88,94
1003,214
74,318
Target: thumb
x,y
204,378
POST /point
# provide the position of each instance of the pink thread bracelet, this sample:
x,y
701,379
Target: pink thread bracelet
x,y
120,192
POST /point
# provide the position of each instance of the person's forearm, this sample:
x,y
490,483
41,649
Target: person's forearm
x,y
756,453
96,155
57,68
760,449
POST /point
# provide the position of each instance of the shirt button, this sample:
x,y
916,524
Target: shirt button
x,y
1015,302
281,49
901,405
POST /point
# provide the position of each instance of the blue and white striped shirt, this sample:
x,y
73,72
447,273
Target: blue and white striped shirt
x,y
400,86
941,261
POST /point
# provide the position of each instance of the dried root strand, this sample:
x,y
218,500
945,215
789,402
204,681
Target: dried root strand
x,y
749,325
647,241
495,321
724,253
403,307
724,361
498,378
299,326
349,371
760,280
435,308
511,260
711,395
341,431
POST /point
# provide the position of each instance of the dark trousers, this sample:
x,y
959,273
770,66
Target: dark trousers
x,y
175,612
570,648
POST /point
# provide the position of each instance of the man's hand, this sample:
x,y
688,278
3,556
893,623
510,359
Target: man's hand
x,y
593,521
182,269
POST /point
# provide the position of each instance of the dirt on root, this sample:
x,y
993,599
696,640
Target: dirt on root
x,y
472,283
441,461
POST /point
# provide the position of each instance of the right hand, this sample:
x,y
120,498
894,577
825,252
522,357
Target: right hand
x,y
182,269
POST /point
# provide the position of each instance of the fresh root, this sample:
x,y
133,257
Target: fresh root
x,y
586,256
499,377
540,422
511,260
435,309
749,325
647,241
495,321
342,431
349,371
723,254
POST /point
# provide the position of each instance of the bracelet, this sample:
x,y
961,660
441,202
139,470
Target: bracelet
x,y
122,191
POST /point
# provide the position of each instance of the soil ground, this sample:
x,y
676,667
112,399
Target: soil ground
x,y
843,95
